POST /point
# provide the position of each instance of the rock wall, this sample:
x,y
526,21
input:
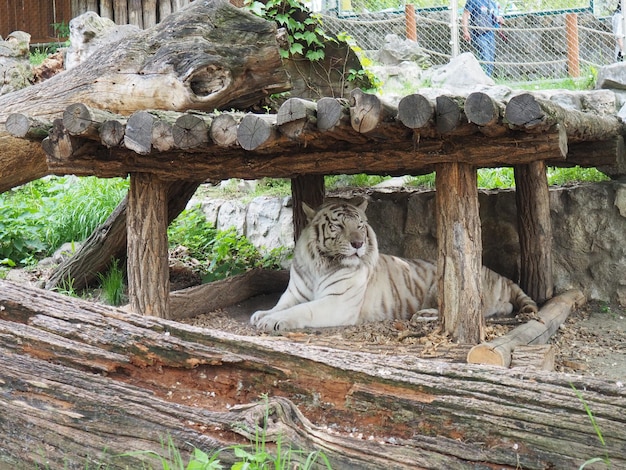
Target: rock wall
x,y
589,231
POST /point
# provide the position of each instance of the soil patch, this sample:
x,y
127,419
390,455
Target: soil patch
x,y
591,342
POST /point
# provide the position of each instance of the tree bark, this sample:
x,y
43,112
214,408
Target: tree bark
x,y
193,301
155,379
459,259
535,230
309,189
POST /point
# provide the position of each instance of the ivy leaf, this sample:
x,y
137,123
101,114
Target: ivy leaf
x,y
296,48
314,55
257,8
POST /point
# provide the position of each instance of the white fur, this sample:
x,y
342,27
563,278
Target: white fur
x,y
339,278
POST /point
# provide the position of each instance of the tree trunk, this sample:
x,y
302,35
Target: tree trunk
x,y
86,383
309,189
459,260
148,257
535,230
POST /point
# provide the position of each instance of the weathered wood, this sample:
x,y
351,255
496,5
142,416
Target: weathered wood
x,y
256,131
193,301
198,79
112,133
416,111
165,8
148,258
191,130
450,118
486,113
223,131
82,120
106,9
296,119
138,132
108,241
280,157
534,226
481,109
309,189
551,316
174,367
541,357
526,111
331,112
20,125
162,136
21,161
149,8
120,9
459,259
60,145
368,113
135,15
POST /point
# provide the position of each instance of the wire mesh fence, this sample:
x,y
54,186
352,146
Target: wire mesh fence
x,y
537,40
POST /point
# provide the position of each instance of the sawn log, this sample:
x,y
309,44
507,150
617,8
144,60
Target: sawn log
x,y
551,316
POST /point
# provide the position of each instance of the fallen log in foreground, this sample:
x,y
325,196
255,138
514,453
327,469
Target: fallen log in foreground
x,y
82,383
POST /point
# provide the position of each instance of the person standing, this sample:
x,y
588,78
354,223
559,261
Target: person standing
x,y
480,19
618,31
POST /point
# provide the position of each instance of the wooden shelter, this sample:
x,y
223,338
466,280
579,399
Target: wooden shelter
x,y
82,122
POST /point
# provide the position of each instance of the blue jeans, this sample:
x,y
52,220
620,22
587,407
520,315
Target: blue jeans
x,y
485,45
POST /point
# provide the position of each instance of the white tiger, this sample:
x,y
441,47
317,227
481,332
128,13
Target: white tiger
x,y
338,278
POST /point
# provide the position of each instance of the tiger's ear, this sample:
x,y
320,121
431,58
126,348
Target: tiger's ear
x,y
361,205
308,211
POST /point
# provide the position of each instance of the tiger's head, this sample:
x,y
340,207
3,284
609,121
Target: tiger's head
x,y
339,233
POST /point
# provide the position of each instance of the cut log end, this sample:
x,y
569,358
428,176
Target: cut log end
x,y
485,354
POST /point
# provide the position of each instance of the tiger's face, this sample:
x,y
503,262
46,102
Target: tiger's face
x,y
340,233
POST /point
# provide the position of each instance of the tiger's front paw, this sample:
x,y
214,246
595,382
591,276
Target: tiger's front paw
x,y
278,321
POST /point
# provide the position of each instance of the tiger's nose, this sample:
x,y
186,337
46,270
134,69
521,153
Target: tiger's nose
x,y
356,244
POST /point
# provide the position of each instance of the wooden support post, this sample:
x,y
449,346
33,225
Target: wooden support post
x,y
571,34
411,29
459,254
148,263
309,189
535,230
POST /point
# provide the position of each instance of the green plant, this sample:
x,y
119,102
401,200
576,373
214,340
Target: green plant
x,y
304,33
20,232
597,430
112,283
222,253
66,287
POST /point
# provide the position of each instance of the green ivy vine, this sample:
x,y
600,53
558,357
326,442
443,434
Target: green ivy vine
x,y
305,35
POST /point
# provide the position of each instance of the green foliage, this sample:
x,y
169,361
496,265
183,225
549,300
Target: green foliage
x,y
38,217
575,174
250,457
360,180
20,232
112,284
222,253
305,35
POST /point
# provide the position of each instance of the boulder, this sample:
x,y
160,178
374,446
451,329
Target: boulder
x,y
463,71
15,68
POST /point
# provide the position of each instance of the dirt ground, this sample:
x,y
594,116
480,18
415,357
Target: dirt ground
x,y
592,342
